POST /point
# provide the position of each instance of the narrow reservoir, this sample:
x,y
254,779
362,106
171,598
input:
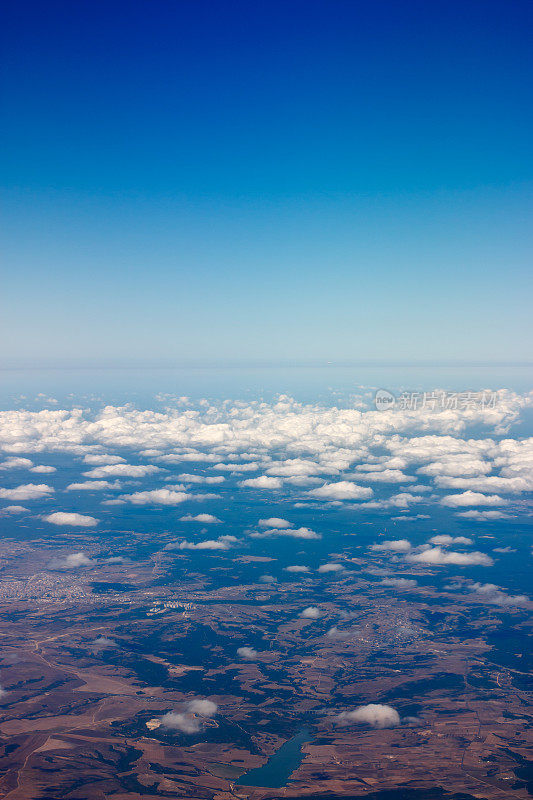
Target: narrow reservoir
x,y
280,766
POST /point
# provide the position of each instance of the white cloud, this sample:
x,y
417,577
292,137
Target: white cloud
x,y
191,719
297,568
122,471
399,583
28,491
330,567
438,556
162,497
294,533
102,458
386,476
16,463
205,519
262,482
296,467
43,469
483,516
472,499
185,477
72,561
330,436
252,466
248,653
204,708
274,522
400,500
490,483
393,545
183,722
267,579
311,612
68,518
222,543
337,635
13,510
341,490
445,539
92,486
490,593
460,465
103,643
376,715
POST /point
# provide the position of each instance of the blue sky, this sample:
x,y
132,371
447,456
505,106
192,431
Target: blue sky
x,y
249,181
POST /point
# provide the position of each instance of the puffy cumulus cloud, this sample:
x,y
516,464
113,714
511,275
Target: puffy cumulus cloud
x,y
400,500
302,480
299,430
262,482
102,458
274,522
43,469
93,486
267,579
182,722
122,471
72,519
503,550
185,477
222,543
297,467
204,708
192,718
13,510
296,568
160,497
490,593
385,476
27,491
483,516
438,556
490,483
399,583
205,519
341,490
251,466
392,545
311,612
459,465
376,715
445,539
72,561
337,635
294,533
471,499
103,643
190,455
330,567
248,653
15,462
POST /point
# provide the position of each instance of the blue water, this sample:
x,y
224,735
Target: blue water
x,y
280,766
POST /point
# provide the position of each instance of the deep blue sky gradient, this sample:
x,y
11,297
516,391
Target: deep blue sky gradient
x,y
248,180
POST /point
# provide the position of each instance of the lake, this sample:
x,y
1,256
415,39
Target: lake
x,y
280,766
